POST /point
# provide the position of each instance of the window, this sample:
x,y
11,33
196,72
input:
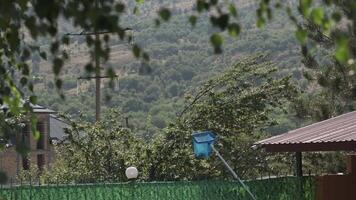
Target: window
x,y
41,140
40,161
25,163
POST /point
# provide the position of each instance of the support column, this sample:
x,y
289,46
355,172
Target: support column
x,y
299,173
298,164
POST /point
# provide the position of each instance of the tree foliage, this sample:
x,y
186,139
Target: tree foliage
x,y
97,152
329,68
25,24
236,106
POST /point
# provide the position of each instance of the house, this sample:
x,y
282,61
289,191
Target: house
x,y
41,151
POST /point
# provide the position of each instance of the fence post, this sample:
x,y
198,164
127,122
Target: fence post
x,y
30,188
11,188
112,190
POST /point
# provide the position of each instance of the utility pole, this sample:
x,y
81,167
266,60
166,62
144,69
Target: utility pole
x,y
97,82
97,68
98,76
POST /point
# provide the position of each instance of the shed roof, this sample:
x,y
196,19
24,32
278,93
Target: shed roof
x,y
57,126
41,109
334,134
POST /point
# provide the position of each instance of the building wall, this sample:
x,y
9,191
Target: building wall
x,y
11,162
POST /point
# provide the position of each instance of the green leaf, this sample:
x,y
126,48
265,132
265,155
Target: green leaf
x,y
216,39
14,101
89,68
317,15
327,24
234,29
25,69
140,1
157,22
222,21
59,83
232,10
43,55
36,135
260,22
30,86
336,16
165,14
54,47
65,40
136,50
217,42
33,99
304,6
200,5
23,81
119,7
22,148
146,57
136,11
213,2
193,20
342,50
25,54
301,35
57,65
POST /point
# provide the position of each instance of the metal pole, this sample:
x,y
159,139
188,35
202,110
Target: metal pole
x,y
299,173
97,89
97,73
233,172
298,164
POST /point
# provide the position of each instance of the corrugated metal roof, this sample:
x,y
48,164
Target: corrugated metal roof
x,y
57,127
338,130
43,110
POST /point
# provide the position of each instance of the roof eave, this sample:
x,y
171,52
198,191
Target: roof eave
x,y
304,147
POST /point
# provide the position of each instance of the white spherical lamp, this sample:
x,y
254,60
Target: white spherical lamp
x,y
131,172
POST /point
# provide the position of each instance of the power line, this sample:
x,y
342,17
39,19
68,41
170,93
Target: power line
x,y
97,76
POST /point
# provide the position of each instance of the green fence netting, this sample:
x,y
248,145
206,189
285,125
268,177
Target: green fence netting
x,y
284,188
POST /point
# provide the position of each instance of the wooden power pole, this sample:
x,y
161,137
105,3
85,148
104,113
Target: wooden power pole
x,y
97,76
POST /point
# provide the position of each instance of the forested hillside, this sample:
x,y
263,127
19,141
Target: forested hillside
x,y
181,58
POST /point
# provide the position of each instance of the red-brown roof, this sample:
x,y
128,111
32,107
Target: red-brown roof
x,y
335,134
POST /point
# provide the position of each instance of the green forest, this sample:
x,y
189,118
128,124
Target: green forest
x,y
181,61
